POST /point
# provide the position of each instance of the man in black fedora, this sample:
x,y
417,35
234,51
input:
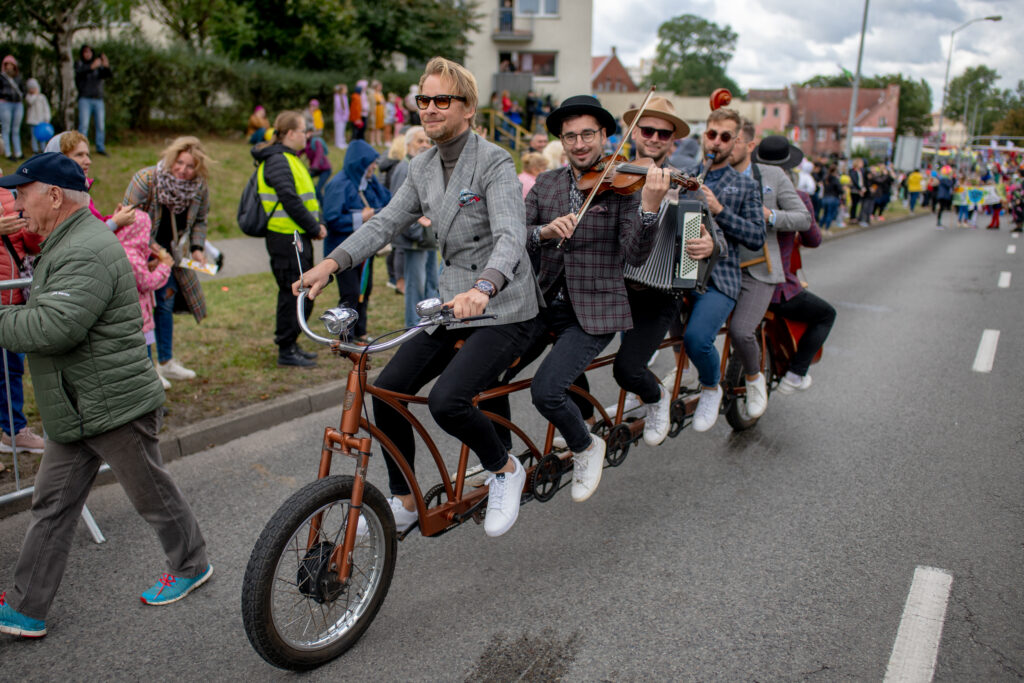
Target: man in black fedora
x,y
783,212
579,266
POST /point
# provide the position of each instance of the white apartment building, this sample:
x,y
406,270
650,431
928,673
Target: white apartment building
x,y
543,45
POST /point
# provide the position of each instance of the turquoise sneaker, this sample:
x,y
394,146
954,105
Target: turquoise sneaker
x,y
18,624
172,588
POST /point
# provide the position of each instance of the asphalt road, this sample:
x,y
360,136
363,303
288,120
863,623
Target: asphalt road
x,y
782,553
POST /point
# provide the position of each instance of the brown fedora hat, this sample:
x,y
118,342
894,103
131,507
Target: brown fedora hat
x,y
660,107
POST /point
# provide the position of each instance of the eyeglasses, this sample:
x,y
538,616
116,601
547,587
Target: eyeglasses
x,y
440,101
585,135
725,137
663,134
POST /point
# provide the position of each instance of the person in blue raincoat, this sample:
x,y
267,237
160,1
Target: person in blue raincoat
x,y
351,198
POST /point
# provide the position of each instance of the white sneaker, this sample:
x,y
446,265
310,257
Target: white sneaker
x,y
559,442
757,396
586,470
172,369
688,379
403,518
656,423
631,403
654,357
788,385
503,498
707,409
163,381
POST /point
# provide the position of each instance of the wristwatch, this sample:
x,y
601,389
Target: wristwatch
x,y
487,287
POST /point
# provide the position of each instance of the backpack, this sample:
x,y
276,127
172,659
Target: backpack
x,y
252,218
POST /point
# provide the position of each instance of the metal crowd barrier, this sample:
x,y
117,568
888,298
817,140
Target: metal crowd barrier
x,y
20,493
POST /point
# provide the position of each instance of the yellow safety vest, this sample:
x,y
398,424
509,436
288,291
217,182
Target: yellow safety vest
x,y
280,221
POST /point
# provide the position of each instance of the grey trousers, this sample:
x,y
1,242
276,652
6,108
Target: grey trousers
x,y
62,484
750,308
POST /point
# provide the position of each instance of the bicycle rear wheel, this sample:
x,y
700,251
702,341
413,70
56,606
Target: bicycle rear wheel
x,y
736,413
296,614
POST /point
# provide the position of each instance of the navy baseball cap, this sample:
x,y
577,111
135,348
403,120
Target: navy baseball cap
x,y
51,168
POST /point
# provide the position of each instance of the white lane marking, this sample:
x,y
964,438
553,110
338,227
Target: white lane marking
x,y
1015,235
1004,279
917,641
986,355
1011,249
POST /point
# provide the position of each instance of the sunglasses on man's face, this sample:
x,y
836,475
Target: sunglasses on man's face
x,y
440,101
663,134
725,136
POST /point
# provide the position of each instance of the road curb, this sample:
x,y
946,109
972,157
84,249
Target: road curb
x,y
218,430
829,235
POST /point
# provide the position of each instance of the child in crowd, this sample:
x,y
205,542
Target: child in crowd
x,y
151,269
534,164
37,110
258,125
319,163
315,118
960,204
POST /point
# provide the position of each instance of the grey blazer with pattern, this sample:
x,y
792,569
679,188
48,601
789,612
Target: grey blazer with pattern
x,y
479,221
791,215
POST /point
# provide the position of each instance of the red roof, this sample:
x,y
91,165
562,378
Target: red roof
x,y
595,63
780,95
831,106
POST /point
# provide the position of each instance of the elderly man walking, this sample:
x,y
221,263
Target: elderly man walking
x,y
98,394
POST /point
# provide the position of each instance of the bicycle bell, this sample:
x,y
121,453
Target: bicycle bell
x,y
428,307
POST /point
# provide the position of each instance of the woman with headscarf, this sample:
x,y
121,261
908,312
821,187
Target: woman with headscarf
x,y
176,195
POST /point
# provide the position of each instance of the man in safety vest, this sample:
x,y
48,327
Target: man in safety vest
x,y
289,198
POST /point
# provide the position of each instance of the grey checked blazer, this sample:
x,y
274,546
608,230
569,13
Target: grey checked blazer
x,y
479,222
791,215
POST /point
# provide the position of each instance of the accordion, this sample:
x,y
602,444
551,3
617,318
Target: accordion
x,y
668,267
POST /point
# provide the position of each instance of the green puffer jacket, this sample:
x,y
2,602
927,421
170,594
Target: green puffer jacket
x,y
82,331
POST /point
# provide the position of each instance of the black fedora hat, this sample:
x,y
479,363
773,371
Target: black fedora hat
x,y
775,150
578,105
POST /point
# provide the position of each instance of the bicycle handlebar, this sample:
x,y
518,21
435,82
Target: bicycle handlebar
x,y
441,316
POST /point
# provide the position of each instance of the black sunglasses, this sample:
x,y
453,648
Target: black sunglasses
x,y
663,134
440,101
712,134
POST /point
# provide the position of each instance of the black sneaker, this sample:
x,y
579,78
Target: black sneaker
x,y
305,354
102,152
292,358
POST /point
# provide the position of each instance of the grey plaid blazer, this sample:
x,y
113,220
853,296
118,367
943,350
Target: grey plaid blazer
x,y
609,235
478,221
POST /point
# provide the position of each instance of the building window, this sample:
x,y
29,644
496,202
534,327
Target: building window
x,y
822,134
540,8
540,64
775,111
881,122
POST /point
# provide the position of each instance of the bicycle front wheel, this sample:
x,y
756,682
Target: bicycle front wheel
x,y
296,614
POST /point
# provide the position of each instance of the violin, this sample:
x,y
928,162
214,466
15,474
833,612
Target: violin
x,y
626,177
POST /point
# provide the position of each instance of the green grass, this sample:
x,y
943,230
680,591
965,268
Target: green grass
x,y
228,174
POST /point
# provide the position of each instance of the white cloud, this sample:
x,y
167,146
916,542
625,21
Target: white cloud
x,y
784,41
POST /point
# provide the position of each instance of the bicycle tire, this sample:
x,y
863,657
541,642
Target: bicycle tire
x,y
282,555
736,412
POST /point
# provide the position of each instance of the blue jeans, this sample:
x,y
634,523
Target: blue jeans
x,y
569,357
11,114
914,196
163,317
89,107
830,208
15,370
420,280
707,316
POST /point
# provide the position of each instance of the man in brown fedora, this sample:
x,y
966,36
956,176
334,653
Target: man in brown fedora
x,y
653,309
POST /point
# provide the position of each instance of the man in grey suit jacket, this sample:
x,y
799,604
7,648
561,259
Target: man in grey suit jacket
x,y
467,188
783,212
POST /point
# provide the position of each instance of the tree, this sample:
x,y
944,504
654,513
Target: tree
x,y
57,22
691,56
1012,125
419,29
189,20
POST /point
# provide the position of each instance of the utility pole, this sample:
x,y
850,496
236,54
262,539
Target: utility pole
x,y
856,87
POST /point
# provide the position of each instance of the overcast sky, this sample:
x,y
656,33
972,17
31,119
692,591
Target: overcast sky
x,y
784,41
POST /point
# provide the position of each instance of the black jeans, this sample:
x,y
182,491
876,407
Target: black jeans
x,y
569,357
653,312
819,317
286,271
349,284
461,375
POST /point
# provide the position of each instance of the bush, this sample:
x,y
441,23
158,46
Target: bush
x,y
178,90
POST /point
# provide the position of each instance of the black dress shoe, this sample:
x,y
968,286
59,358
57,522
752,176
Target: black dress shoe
x,y
102,152
290,358
305,354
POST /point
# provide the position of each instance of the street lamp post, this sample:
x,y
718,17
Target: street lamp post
x,y
949,60
856,87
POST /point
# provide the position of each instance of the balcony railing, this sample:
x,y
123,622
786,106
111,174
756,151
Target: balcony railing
x,y
509,28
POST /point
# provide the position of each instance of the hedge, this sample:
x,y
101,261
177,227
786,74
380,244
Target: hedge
x,y
175,89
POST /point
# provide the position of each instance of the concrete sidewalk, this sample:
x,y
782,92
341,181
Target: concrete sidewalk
x,y
248,255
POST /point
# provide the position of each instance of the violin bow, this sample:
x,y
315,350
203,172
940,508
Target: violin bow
x,y
609,165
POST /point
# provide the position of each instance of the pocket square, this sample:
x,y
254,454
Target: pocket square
x,y
467,197
597,209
